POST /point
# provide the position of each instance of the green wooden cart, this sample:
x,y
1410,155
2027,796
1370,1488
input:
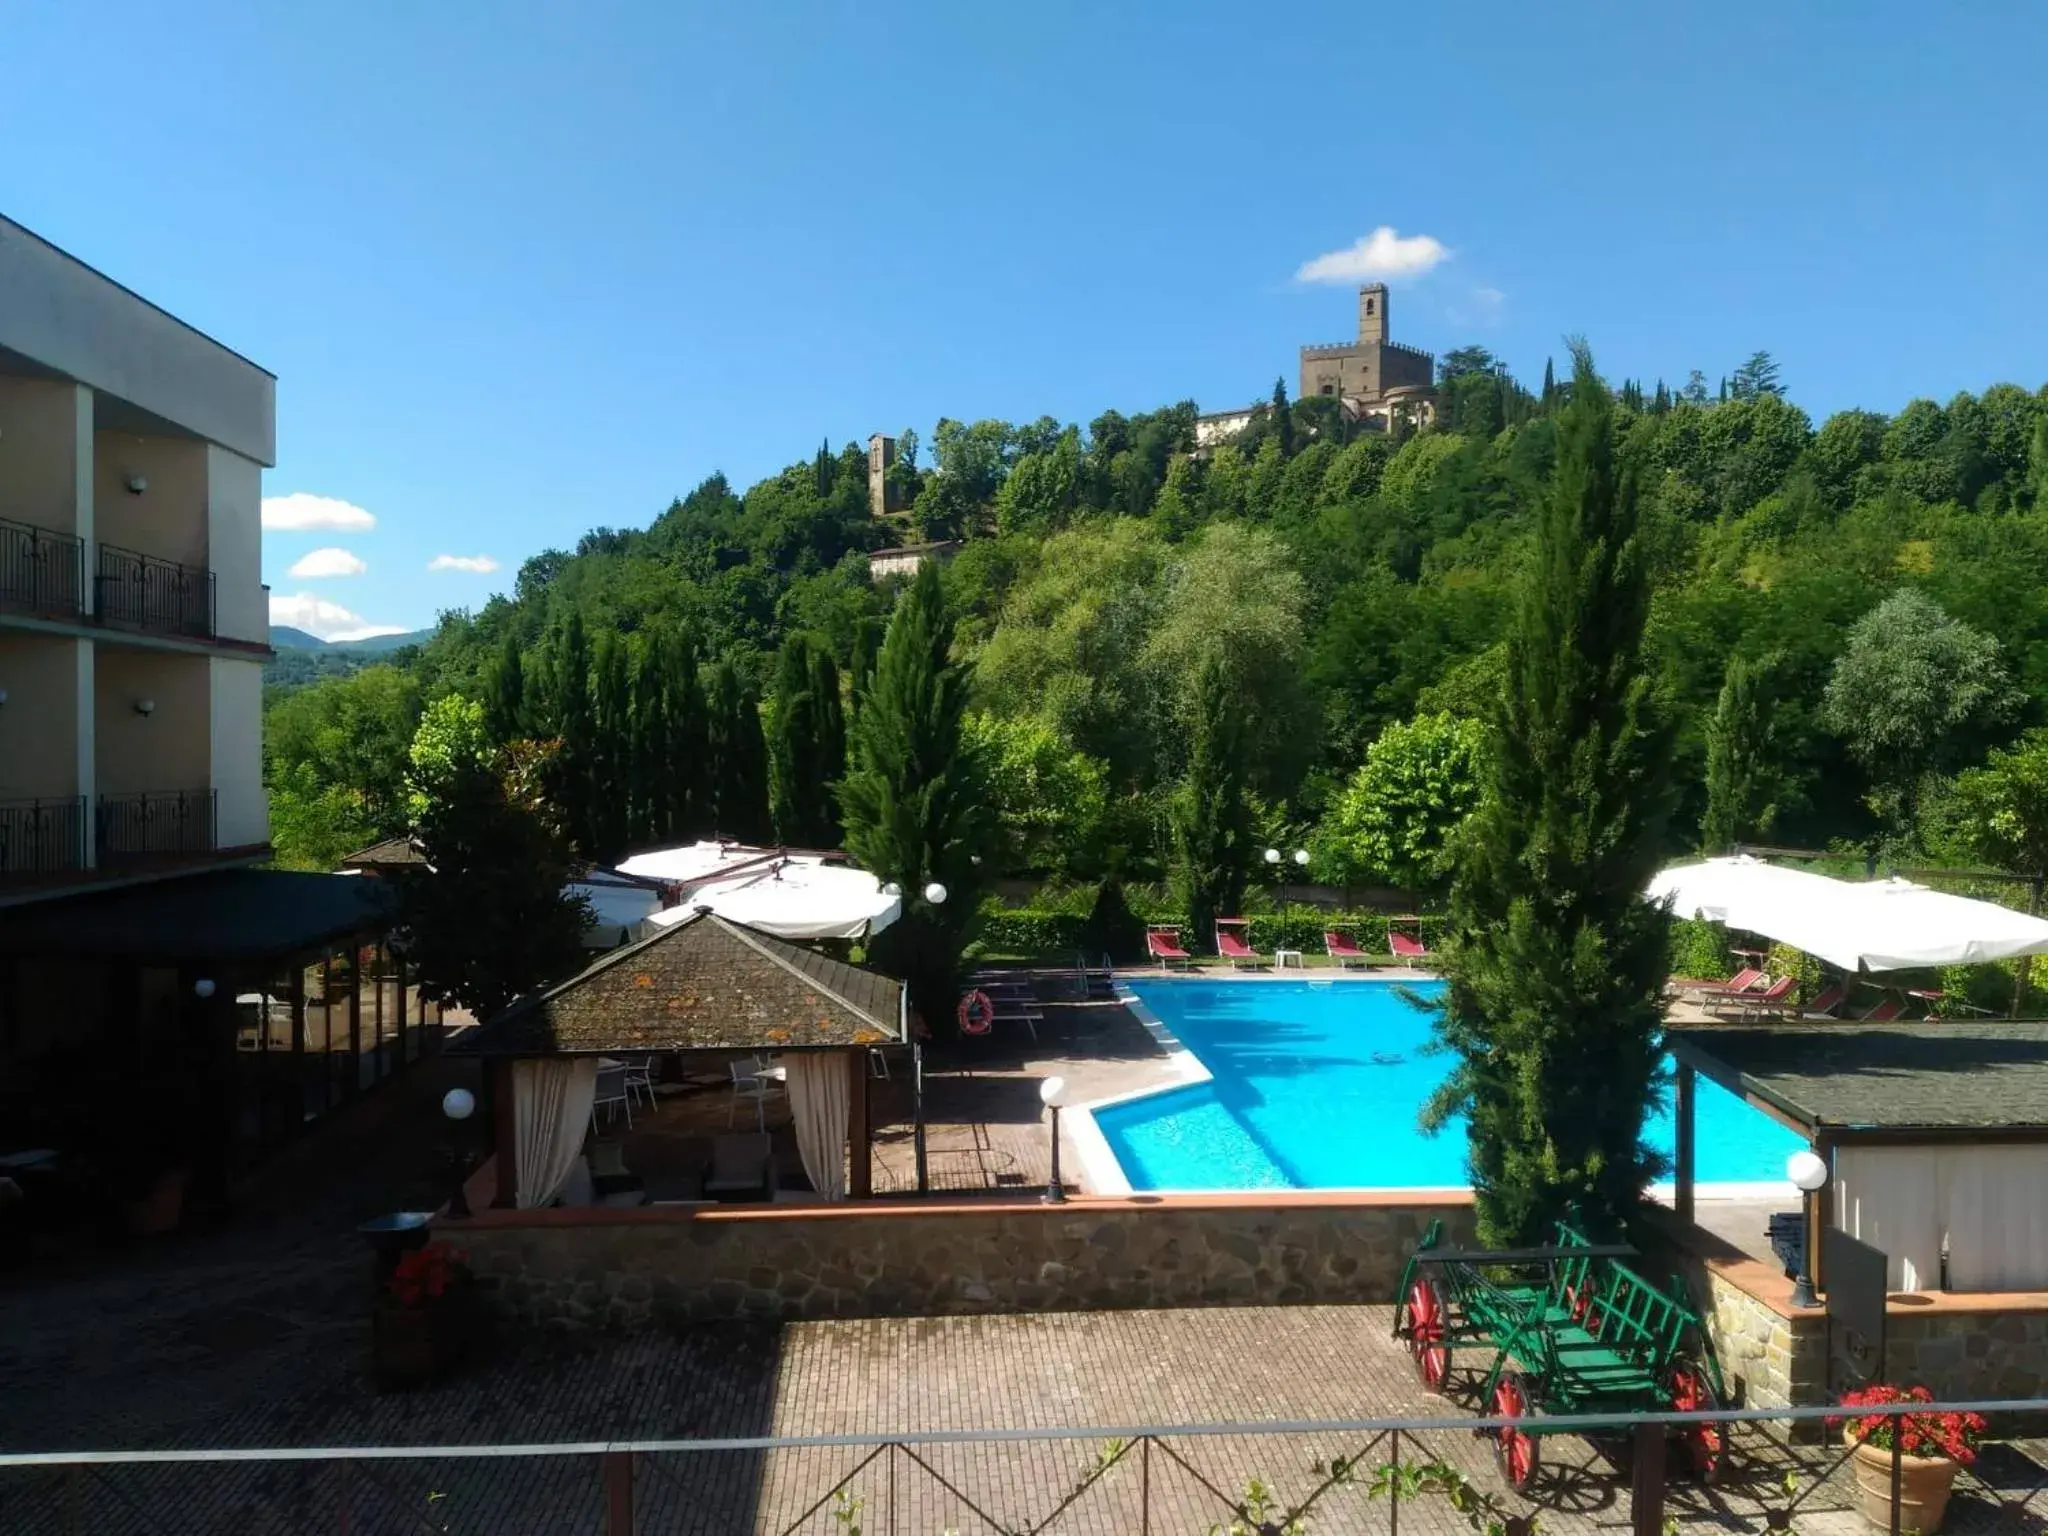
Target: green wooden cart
x,y
1567,1329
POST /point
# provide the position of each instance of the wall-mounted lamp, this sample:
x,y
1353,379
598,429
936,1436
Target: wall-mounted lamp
x,y
137,484
145,707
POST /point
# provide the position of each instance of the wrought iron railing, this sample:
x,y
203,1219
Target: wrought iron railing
x,y
41,572
153,825
1783,1472
41,837
145,592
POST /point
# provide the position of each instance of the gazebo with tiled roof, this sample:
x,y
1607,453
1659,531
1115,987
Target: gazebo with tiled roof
x,y
706,986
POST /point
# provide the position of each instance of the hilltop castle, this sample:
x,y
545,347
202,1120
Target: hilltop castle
x,y
1378,382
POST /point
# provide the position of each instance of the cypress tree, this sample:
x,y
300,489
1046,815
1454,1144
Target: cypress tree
x,y
1738,758
573,769
1211,820
914,799
738,755
1556,964
867,644
809,746
647,818
505,694
831,714
1661,401
1283,420
611,756
1549,383
685,809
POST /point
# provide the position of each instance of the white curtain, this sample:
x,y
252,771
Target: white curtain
x,y
1984,1200
1997,1227
551,1101
817,1085
1890,1198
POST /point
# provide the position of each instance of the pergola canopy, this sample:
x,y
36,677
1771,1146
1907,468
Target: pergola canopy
x,y
1878,925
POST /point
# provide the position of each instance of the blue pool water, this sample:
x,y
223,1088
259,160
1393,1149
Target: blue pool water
x,y
1317,1085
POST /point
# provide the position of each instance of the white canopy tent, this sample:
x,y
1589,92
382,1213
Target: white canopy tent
x,y
796,899
1879,925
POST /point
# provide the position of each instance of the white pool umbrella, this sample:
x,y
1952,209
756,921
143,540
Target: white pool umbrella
x,y
797,899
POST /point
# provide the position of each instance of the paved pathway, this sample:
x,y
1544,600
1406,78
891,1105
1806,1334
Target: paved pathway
x,y
274,1364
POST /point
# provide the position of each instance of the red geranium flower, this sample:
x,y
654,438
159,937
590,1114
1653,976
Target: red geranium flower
x,y
1950,1434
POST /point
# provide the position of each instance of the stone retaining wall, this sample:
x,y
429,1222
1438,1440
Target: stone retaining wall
x,y
1959,1346
631,1268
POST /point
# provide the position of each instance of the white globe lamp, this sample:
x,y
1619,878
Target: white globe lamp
x,y
935,893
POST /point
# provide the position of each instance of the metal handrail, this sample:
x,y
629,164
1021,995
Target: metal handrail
x,y
158,822
1567,1422
42,836
151,593
41,570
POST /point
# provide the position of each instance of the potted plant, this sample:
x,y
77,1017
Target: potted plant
x,y
1931,1447
419,1327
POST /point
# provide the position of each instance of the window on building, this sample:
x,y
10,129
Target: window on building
x,y
1329,389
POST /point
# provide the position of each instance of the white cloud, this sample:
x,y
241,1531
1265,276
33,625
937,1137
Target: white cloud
x,y
330,621
1488,298
302,512
476,565
326,562
1382,255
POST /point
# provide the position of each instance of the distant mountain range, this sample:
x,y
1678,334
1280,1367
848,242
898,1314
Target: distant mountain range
x,y
284,637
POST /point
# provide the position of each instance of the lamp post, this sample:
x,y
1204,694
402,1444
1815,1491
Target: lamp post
x,y
1808,1171
458,1104
1053,1093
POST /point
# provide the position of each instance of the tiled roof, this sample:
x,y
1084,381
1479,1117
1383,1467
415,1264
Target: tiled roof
x,y
390,853
1935,1074
228,914
704,984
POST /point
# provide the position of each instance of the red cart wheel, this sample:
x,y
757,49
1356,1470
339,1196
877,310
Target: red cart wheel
x,y
1704,1446
1427,1327
1514,1448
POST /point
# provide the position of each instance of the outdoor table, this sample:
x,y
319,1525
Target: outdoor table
x,y
1282,956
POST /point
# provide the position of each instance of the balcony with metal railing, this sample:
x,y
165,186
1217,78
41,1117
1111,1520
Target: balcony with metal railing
x,y
42,572
41,838
149,593
157,825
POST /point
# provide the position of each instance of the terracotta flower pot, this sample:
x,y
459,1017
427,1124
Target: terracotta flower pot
x,y
411,1346
1924,1486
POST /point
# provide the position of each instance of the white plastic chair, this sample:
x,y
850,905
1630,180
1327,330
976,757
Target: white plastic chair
x,y
750,1081
640,1077
611,1090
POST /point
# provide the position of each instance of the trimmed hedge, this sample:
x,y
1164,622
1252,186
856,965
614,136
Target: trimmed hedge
x,y
1022,931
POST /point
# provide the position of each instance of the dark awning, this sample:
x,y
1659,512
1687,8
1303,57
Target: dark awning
x,y
1945,1076
704,984
231,914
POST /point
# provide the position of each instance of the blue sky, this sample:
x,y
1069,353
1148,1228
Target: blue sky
x,y
524,269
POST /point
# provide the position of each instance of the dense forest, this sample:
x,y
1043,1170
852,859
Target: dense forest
x,y
1847,634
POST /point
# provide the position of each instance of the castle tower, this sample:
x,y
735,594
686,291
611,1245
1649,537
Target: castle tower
x,y
1372,314
881,454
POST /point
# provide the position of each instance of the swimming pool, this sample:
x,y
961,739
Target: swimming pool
x,y
1315,1085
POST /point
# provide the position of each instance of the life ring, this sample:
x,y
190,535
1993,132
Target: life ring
x,y
977,1013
